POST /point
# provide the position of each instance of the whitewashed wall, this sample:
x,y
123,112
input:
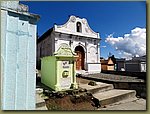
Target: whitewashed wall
x,y
86,39
68,34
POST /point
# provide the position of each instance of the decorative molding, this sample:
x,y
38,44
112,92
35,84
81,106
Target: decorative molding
x,y
23,8
60,26
87,30
73,19
64,50
84,21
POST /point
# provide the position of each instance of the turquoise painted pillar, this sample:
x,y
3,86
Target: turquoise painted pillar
x,y
18,56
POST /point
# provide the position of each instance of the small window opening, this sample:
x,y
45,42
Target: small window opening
x,y
79,28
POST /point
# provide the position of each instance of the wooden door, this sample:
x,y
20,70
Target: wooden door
x,y
79,61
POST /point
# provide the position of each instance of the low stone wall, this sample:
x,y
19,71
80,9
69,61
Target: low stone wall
x,y
139,87
126,82
140,75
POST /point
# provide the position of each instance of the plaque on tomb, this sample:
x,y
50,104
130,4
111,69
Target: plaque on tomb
x,y
65,82
65,64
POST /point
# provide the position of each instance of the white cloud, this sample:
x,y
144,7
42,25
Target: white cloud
x,y
133,44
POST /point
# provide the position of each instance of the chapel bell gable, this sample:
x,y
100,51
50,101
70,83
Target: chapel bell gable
x,y
77,26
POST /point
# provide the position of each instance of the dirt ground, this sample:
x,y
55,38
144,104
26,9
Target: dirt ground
x,y
71,102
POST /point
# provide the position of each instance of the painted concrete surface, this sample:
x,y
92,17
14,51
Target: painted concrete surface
x,y
129,104
110,93
40,102
18,56
112,99
97,88
58,72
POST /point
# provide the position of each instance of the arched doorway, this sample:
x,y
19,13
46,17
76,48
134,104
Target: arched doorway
x,y
81,57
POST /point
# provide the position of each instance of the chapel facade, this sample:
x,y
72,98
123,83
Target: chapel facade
x,y
79,36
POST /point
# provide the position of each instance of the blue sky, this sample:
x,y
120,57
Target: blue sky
x,y
117,18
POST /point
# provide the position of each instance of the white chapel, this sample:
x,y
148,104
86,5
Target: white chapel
x,y
79,36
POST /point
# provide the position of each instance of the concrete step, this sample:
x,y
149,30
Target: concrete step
x,y
114,95
41,108
40,102
130,104
100,87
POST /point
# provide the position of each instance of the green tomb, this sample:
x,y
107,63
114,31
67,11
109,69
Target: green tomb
x,y
58,71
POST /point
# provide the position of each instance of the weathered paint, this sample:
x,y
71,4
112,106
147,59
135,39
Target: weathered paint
x,y
18,56
52,69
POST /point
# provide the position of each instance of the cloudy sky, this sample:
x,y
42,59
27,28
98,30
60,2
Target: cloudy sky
x,y
131,44
122,25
